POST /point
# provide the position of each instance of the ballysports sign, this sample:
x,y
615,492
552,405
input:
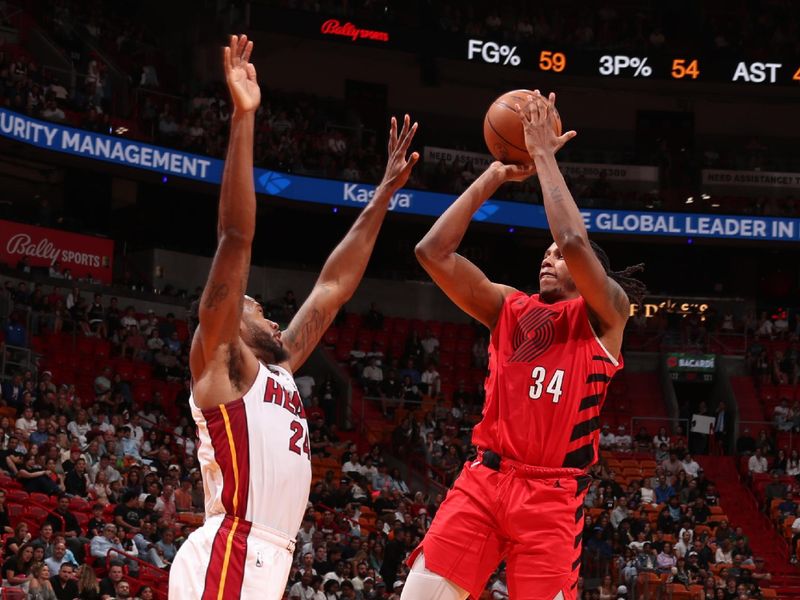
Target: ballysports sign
x,y
83,255
167,161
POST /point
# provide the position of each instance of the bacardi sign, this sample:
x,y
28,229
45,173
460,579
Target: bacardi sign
x,y
349,30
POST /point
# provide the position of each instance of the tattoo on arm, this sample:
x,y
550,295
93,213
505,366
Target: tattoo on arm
x,y
556,195
309,332
217,293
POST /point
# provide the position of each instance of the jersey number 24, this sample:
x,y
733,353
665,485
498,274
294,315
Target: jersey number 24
x,y
554,384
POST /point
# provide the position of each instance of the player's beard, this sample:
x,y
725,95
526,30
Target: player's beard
x,y
266,347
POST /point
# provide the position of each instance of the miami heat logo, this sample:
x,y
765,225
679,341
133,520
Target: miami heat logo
x,y
533,335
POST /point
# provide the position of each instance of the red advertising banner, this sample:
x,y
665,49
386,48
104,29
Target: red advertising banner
x,y
83,255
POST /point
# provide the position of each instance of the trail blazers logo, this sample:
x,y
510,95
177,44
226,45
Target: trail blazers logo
x,y
533,335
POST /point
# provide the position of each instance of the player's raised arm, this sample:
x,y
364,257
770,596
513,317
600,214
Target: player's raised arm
x,y
221,304
346,265
462,281
604,296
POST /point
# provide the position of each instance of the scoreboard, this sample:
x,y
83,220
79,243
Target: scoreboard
x,y
634,65
529,58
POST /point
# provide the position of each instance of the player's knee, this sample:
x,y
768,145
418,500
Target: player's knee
x,y
423,584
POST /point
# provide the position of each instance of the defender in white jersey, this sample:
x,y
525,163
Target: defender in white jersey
x,y
254,448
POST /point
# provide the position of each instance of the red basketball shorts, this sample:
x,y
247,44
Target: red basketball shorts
x,y
528,516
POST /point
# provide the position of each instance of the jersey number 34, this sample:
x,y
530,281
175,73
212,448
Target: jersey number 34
x,y
554,384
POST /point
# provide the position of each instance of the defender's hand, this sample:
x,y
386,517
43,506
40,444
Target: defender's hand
x,y
398,167
241,75
539,120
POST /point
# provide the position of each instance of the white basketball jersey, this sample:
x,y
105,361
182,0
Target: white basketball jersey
x,y
254,453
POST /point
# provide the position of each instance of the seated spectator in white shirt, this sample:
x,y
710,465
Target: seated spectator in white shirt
x,y
607,439
622,440
724,554
766,328
499,587
26,423
353,465
430,344
372,376
757,463
690,466
431,383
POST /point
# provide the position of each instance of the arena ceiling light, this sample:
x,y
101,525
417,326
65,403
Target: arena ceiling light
x,y
690,200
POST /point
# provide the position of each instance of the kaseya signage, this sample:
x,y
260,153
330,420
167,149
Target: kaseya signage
x,y
349,30
83,255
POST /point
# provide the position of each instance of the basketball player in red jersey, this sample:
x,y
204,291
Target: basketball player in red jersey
x,y
551,358
254,446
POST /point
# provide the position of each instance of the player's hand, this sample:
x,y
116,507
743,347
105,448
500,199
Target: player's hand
x,y
511,172
398,167
539,120
241,75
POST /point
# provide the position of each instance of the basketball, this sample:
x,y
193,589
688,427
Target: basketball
x,y
502,128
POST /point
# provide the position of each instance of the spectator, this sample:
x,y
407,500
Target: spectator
x,y
690,466
64,585
788,507
607,439
302,590
373,319
666,559
672,466
88,586
108,586
500,587
34,479
430,345
775,489
17,569
724,554
76,481
430,383
661,438
372,376
746,444
480,354
39,587
26,424
71,529
664,491
620,512
793,464
622,440
757,463
108,541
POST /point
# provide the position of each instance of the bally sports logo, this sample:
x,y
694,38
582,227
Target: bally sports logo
x,y
83,254
335,27
23,245
360,194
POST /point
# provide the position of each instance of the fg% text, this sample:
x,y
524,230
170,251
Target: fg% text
x,y
616,64
493,53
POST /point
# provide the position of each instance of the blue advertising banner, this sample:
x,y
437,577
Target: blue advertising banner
x,y
339,193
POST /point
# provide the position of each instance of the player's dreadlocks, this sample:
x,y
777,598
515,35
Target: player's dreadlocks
x,y
634,288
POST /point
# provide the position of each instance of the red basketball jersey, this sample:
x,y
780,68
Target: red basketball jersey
x,y
548,376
